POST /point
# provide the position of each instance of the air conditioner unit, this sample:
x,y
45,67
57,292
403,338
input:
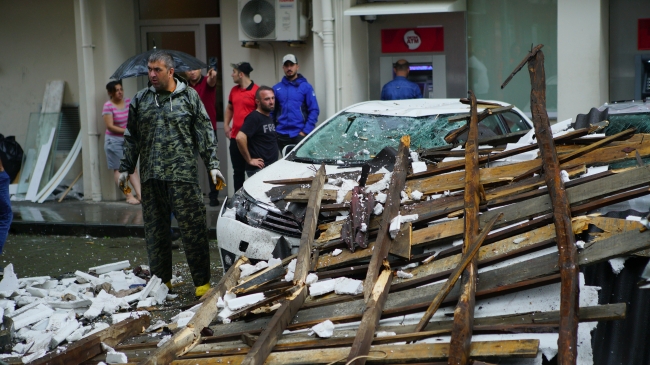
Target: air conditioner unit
x,y
272,20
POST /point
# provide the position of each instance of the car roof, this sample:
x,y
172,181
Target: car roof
x,y
413,107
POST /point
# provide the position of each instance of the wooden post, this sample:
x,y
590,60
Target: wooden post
x,y
283,316
391,210
568,264
461,334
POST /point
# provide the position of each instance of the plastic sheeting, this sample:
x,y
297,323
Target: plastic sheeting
x,y
352,137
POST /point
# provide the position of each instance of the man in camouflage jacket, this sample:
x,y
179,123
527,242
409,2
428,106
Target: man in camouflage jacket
x,y
167,125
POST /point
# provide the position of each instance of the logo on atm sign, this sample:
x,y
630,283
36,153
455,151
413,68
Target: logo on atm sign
x,y
412,40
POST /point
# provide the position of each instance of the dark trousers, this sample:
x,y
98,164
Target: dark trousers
x,y
238,165
185,200
284,140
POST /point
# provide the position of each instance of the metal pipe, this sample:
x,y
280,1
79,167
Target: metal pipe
x,y
89,108
328,50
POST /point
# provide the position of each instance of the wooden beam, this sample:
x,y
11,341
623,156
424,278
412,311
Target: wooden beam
x,y
191,334
258,279
89,347
570,289
401,245
461,334
467,257
391,210
385,353
371,316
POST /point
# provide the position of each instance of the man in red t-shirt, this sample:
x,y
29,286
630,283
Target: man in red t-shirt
x,y
205,86
241,102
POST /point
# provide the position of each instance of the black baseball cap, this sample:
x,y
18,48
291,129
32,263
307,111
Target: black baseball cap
x,y
244,67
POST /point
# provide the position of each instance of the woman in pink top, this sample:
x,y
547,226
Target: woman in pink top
x,y
116,114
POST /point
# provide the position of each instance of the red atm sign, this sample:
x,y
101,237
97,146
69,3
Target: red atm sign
x,y
405,40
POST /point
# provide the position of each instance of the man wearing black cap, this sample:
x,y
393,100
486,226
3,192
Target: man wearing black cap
x,y
241,102
296,107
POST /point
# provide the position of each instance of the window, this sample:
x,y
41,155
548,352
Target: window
x,y
515,122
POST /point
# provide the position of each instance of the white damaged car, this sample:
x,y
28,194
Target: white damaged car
x,y
257,222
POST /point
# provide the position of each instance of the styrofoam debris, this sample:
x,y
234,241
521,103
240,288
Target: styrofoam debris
x,y
116,358
381,184
66,330
419,166
145,303
565,176
183,314
32,316
404,275
404,196
385,334
415,157
289,276
220,303
119,317
33,356
9,283
378,209
292,265
324,329
348,286
364,227
519,240
163,340
244,301
394,227
311,278
617,264
381,198
78,334
416,195
346,186
82,277
336,252
274,262
153,282
248,269
102,269
408,218
580,244
182,322
633,218
159,324
322,287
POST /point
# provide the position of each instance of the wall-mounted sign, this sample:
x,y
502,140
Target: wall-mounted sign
x,y
643,40
404,40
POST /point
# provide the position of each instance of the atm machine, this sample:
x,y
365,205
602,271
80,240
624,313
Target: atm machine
x,y
641,76
428,71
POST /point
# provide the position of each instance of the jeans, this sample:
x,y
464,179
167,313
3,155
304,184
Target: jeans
x,y
6,215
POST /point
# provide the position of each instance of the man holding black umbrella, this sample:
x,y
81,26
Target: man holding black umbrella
x,y
167,124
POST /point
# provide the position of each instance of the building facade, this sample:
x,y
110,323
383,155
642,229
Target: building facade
x,y
594,53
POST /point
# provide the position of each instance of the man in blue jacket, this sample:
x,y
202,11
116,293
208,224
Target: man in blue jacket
x,y
400,87
296,108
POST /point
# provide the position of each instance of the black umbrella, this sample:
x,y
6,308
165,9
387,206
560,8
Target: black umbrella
x,y
137,65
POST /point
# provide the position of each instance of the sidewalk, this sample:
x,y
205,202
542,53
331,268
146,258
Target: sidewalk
x,y
81,218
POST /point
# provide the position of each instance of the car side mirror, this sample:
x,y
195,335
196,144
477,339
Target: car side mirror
x,y
288,148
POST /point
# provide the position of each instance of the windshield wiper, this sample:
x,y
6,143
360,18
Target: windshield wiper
x,y
351,120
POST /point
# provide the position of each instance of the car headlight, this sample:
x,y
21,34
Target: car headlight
x,y
260,215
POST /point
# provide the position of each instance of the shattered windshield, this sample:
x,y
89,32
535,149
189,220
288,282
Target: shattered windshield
x,y
620,122
352,137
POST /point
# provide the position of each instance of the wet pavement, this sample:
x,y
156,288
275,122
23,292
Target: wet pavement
x,y
81,218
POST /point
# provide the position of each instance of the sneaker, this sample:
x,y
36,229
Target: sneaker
x,y
214,202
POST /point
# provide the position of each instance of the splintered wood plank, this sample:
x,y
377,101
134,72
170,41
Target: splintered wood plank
x,y
538,320
461,333
301,195
391,210
258,279
467,257
89,347
269,337
371,316
540,269
383,354
191,334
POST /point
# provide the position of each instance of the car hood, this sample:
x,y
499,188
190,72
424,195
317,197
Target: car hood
x,y
283,169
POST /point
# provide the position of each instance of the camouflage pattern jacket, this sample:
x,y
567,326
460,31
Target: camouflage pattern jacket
x,y
167,130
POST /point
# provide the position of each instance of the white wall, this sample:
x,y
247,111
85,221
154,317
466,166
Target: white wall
x,y
583,56
37,43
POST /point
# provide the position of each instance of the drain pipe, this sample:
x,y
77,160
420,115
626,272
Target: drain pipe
x,y
328,50
88,88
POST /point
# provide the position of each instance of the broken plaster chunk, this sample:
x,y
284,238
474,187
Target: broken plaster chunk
x,y
244,301
416,195
336,252
322,287
32,316
115,266
404,274
348,286
311,278
378,209
617,264
324,329
419,166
